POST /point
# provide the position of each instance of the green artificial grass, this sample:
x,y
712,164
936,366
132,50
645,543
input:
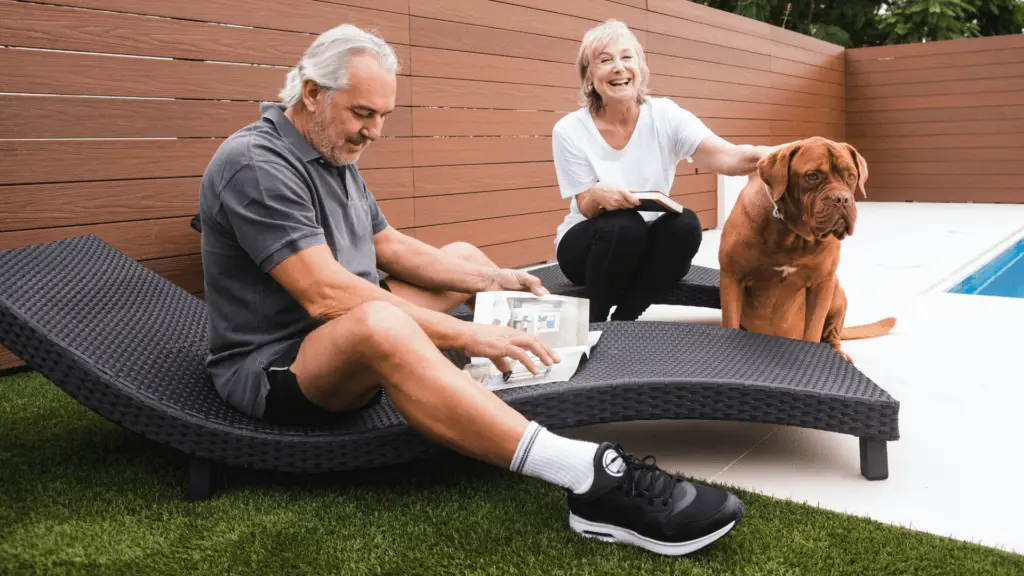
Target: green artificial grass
x,y
81,495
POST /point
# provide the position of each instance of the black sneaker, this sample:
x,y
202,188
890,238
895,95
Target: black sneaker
x,y
632,501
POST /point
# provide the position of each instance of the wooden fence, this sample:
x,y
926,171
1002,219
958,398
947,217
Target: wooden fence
x,y
941,121
112,109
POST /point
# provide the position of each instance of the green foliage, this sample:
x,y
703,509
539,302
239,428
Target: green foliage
x,y
857,23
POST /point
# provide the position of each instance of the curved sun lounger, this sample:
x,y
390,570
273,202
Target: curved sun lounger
x,y
130,345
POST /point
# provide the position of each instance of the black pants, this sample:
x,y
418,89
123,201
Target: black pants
x,y
625,262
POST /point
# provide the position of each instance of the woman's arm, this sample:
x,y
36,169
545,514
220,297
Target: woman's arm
x,y
723,157
602,198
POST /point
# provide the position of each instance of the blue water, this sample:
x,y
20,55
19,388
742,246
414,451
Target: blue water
x,y
1001,276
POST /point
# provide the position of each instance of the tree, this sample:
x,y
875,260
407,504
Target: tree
x,y
856,23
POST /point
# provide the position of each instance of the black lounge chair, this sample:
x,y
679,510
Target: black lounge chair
x,y
130,345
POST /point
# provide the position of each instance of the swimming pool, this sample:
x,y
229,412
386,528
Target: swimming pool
x,y
1001,276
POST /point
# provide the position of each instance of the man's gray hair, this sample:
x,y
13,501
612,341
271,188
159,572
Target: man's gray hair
x,y
326,60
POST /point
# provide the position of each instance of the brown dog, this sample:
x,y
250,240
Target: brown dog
x,y
780,245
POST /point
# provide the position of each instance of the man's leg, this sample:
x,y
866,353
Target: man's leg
x,y
442,301
612,495
673,241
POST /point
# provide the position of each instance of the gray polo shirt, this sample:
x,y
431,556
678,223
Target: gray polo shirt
x,y
266,195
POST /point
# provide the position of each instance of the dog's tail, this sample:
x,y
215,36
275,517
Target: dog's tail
x,y
873,330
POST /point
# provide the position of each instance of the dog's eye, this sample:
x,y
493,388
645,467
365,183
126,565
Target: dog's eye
x,y
813,177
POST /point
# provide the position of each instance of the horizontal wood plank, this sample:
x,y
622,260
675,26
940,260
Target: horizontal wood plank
x,y
958,195
990,141
469,150
491,231
1010,41
945,74
597,10
43,72
693,184
437,63
441,180
461,122
502,16
430,33
389,183
706,108
939,61
183,271
140,239
687,48
80,117
1004,126
8,361
399,213
434,210
936,101
61,28
935,115
681,87
523,252
915,154
962,181
78,203
959,87
309,16
492,95
950,167
699,201
801,70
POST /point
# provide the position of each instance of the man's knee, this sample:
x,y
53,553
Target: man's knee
x,y
380,326
468,252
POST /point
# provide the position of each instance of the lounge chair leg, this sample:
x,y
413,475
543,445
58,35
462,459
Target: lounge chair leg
x,y
200,479
874,459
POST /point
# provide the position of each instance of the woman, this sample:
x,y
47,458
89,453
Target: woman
x,y
620,142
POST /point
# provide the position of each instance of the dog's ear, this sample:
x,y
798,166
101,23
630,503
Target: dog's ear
x,y
862,170
774,170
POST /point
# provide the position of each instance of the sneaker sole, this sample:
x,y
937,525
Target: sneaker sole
x,y
614,534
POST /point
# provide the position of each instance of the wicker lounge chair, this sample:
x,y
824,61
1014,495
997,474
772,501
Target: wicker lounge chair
x,y
130,345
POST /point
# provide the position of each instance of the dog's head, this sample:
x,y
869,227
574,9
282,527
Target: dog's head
x,y
814,182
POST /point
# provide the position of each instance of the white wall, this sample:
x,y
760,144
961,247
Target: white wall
x,y
729,188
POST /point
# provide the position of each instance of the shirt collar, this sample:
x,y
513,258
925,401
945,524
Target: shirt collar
x,y
275,113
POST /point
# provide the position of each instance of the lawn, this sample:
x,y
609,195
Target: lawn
x,y
81,495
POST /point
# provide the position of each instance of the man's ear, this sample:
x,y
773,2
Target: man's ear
x,y
862,170
774,170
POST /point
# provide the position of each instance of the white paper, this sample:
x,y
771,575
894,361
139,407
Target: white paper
x,y
561,322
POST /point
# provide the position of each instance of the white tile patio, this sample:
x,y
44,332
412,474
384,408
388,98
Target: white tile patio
x,y
953,362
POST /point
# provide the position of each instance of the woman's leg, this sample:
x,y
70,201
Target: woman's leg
x,y
672,243
602,254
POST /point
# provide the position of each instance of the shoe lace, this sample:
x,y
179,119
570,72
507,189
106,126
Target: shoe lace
x,y
644,479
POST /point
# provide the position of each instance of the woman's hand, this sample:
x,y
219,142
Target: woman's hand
x,y
605,198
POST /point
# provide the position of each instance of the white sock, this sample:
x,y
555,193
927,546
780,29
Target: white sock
x,y
562,461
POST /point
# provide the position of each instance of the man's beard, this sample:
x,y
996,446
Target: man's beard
x,y
328,147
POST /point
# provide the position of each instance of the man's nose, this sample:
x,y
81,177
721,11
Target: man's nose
x,y
374,130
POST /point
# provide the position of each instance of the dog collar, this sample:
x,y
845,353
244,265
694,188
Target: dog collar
x,y
775,212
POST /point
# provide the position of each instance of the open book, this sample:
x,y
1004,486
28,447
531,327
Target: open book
x,y
561,322
654,201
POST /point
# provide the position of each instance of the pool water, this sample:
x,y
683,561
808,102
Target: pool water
x,y
1001,276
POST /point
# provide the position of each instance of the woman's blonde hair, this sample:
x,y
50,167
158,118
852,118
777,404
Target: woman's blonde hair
x,y
595,39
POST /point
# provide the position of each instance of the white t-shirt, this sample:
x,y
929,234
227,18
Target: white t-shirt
x,y
665,133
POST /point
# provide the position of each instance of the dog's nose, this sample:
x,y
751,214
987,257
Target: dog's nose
x,y
842,200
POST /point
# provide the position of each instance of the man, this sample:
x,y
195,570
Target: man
x,y
302,328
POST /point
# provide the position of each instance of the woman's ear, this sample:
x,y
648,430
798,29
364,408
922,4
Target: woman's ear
x,y
773,169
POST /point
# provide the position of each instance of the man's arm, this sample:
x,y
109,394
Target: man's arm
x,y
326,290
723,157
419,263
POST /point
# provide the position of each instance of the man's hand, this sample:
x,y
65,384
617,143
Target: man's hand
x,y
501,343
517,280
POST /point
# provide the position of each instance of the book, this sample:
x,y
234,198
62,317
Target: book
x,y
561,322
654,201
